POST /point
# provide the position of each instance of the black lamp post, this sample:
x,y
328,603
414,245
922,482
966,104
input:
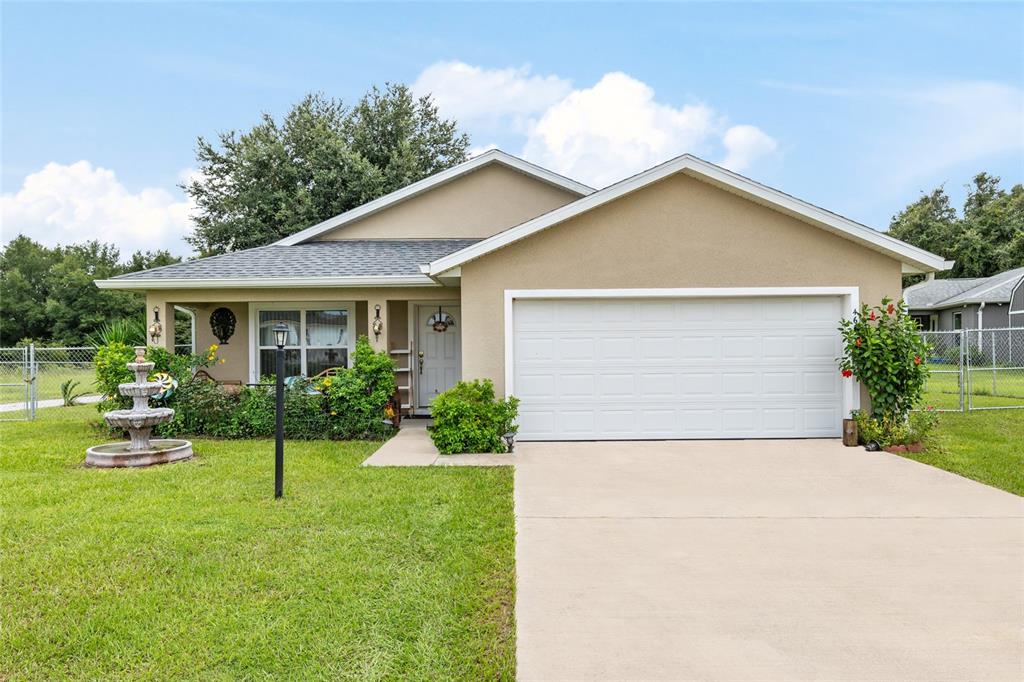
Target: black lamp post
x,y
280,339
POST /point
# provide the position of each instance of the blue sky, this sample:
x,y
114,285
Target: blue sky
x,y
857,108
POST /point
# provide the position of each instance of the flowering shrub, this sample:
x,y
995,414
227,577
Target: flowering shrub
x,y
884,351
111,369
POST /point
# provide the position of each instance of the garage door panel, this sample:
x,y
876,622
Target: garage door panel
x,y
677,368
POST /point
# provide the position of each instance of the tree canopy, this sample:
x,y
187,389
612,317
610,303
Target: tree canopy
x,y
48,293
322,159
985,239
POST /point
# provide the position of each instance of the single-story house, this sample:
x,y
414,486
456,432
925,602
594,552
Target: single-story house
x,y
686,301
995,302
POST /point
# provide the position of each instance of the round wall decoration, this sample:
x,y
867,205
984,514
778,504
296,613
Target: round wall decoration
x,y
222,324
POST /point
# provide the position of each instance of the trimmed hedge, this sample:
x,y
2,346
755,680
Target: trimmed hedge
x,y
469,418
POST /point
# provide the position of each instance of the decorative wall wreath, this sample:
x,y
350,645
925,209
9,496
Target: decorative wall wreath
x,y
222,323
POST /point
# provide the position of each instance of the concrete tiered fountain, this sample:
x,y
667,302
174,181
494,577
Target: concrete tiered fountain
x,y
140,420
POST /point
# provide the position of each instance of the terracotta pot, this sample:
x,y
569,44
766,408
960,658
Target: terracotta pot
x,y
915,447
896,449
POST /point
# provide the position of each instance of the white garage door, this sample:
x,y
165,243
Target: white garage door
x,y
601,369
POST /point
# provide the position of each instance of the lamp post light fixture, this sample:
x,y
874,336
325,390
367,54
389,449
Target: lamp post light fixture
x,y
280,340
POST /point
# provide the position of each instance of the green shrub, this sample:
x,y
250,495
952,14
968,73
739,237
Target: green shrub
x,y
254,416
201,407
888,431
110,371
356,397
468,418
305,417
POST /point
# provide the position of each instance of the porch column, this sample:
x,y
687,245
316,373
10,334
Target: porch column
x,y
155,303
378,343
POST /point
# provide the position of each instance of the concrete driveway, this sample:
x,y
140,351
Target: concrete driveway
x,y
762,560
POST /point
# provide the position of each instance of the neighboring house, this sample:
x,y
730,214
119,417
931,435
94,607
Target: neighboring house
x,y
994,302
684,302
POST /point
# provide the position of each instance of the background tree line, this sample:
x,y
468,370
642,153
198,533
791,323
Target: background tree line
x,y
985,238
47,294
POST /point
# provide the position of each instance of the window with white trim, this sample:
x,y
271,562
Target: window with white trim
x,y
319,338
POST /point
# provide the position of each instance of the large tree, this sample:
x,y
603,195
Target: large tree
x,y
322,159
48,294
987,238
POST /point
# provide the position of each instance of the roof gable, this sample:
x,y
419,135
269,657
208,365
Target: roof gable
x,y
487,159
913,258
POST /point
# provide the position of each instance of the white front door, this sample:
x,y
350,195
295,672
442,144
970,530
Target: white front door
x,y
438,353
594,369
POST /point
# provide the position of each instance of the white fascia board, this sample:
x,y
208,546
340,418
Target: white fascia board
x,y
492,156
920,259
265,282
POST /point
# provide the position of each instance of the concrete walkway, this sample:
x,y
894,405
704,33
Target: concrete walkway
x,y
51,402
412,447
761,560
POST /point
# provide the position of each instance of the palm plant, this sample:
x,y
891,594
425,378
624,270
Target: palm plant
x,y
70,393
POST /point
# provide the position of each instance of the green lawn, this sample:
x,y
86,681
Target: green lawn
x,y
48,381
193,570
985,445
988,388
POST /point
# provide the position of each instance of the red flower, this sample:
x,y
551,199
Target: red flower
x,y
872,314
859,341
847,373
917,359
891,308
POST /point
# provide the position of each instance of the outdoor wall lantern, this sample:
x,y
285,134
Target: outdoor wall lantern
x,y
156,329
441,320
222,324
378,324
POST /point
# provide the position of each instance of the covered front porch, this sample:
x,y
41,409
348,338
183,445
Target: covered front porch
x,y
419,327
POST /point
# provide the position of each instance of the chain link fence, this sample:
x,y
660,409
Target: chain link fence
x,y
975,369
33,377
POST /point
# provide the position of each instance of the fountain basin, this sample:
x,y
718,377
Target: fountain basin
x,y
161,451
143,390
139,419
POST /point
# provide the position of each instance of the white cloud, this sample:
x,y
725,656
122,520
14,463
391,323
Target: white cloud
x,y
489,98
617,128
744,144
599,134
76,202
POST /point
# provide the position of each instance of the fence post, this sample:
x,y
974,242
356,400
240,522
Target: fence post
x,y
32,381
963,359
993,335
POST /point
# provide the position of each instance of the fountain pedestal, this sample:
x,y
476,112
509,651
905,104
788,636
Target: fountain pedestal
x,y
139,421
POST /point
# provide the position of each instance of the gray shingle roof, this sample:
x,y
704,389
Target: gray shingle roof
x,y
350,258
946,293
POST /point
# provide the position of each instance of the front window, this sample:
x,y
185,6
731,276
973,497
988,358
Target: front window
x,y
318,339
958,321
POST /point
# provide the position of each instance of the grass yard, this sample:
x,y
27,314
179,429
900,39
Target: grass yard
x,y
987,446
193,570
988,388
48,381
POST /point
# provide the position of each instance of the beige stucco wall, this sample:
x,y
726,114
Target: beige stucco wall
x,y
679,232
236,352
477,204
